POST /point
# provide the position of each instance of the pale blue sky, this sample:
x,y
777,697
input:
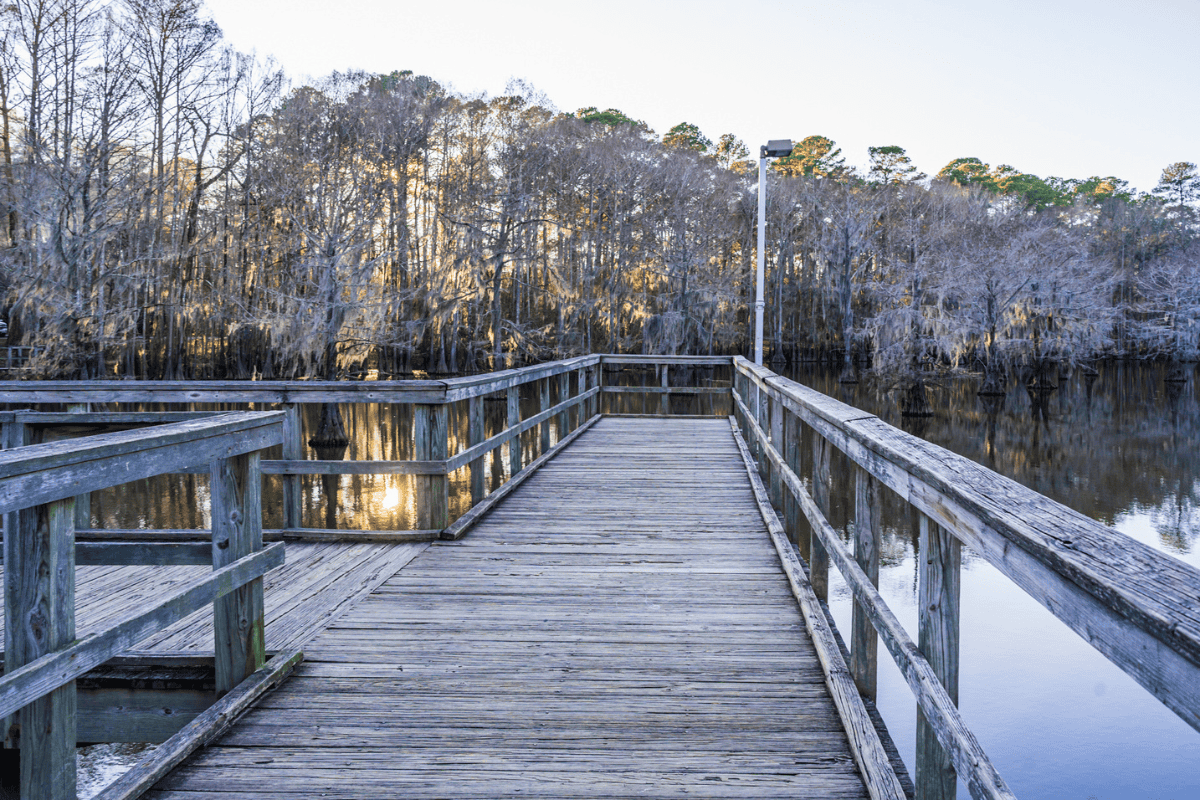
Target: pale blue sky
x,y
1056,87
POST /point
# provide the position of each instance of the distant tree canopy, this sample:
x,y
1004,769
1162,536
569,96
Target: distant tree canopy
x,y
687,136
173,209
814,155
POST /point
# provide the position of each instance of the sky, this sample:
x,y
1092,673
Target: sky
x,y
1052,87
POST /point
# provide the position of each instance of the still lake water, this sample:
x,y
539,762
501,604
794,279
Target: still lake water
x,y
1058,720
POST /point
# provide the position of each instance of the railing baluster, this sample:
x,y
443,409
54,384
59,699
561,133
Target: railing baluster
x,y
39,603
474,437
513,409
544,396
664,402
581,386
938,583
818,559
864,643
429,444
83,502
293,450
791,454
238,622
776,413
564,417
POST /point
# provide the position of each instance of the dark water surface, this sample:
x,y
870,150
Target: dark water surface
x,y
1058,720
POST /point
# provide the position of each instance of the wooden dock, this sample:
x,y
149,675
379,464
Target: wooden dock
x,y
635,607
619,626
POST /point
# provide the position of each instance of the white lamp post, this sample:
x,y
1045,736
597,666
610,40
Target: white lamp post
x,y
776,148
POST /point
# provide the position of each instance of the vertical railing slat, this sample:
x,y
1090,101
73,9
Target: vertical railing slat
x,y
938,584
791,454
39,587
293,450
864,642
83,502
544,405
664,403
818,559
564,417
776,415
474,437
238,623
430,444
513,419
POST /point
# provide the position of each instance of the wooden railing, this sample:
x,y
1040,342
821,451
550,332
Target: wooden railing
x,y
1135,605
569,398
43,656
15,357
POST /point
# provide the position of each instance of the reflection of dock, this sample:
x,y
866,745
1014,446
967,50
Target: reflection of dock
x,y
623,613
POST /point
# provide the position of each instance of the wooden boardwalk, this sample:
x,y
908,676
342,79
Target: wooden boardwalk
x,y
618,627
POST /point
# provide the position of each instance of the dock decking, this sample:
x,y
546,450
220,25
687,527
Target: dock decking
x,y
620,626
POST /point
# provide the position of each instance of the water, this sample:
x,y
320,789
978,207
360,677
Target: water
x,y
1057,719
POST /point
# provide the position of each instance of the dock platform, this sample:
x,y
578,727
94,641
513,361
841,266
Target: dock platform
x,y
619,626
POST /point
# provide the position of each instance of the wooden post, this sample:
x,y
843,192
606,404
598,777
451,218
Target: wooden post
x,y
598,382
818,559
938,579
776,411
564,417
544,396
513,420
581,385
429,439
664,403
238,623
39,610
83,502
791,454
762,415
293,450
474,437
868,522
752,408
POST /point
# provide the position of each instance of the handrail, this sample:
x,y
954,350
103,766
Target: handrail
x,y
1135,605
578,400
940,710
38,487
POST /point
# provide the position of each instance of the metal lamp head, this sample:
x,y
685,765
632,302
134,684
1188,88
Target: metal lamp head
x,y
777,148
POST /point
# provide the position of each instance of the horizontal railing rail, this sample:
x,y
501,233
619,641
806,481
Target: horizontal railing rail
x,y
1133,604
569,396
38,488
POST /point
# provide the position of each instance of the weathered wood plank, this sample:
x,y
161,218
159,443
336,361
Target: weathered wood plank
x,y
868,527
235,489
880,779
938,590
463,524
652,643
203,729
20,687
1130,602
430,444
939,709
42,473
39,565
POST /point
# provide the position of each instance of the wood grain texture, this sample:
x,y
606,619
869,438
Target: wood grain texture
x,y
1136,605
868,527
940,710
619,626
881,779
938,588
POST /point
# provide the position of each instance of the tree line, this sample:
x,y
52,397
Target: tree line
x,y
174,209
